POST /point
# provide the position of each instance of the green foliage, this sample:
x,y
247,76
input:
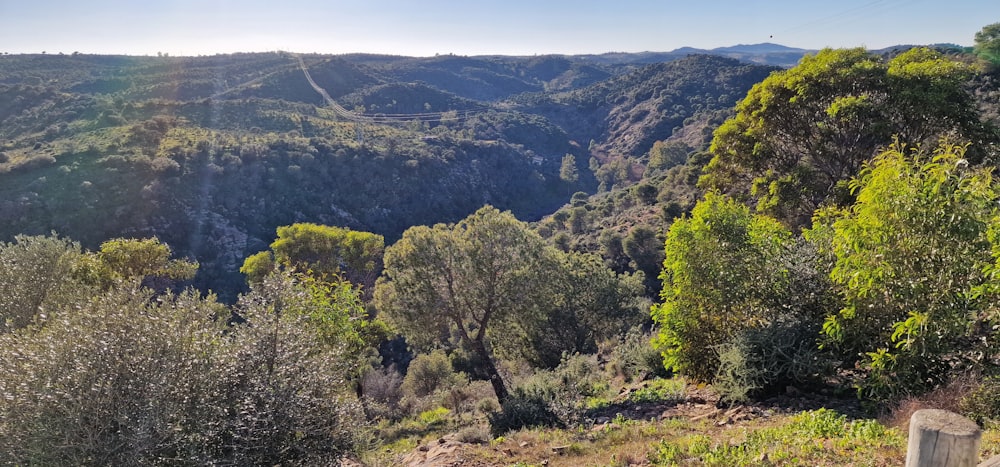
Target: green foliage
x,y
987,44
519,412
800,131
322,251
36,279
818,437
434,416
635,358
567,170
982,404
659,391
588,303
736,377
644,248
664,155
477,278
429,373
123,258
912,261
125,379
722,275
257,266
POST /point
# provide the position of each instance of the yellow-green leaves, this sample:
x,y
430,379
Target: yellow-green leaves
x,y
910,260
801,131
720,276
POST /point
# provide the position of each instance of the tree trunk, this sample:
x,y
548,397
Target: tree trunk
x,y
942,439
491,369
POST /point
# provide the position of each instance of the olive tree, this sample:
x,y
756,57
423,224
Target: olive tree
x,y
475,279
36,275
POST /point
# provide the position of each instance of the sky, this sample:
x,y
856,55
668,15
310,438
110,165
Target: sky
x,y
477,27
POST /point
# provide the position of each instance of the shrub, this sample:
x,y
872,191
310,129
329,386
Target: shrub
x,y
634,358
382,393
722,275
914,264
764,360
428,373
434,416
476,434
736,376
660,390
35,275
982,404
564,389
521,411
126,379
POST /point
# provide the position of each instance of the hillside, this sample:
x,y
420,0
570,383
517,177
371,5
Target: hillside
x,y
625,259
211,154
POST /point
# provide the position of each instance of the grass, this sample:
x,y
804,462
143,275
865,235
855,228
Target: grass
x,y
821,437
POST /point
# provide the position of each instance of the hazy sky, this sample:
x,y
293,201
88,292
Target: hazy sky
x,y
473,27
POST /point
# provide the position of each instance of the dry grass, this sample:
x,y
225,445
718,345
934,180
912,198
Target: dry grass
x,y
944,398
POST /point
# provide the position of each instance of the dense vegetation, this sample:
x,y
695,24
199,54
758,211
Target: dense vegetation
x,y
831,228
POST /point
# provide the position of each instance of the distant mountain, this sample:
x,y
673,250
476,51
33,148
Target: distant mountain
x,y
763,48
763,54
626,114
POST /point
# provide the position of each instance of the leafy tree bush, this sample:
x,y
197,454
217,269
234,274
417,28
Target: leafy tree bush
x,y
129,258
645,250
801,131
322,251
567,169
552,398
428,373
722,275
634,357
913,261
988,43
124,379
517,412
982,404
588,304
36,277
477,278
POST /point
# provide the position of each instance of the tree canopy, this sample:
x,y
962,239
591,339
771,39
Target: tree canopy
x,y
469,278
913,257
322,251
800,133
988,43
721,275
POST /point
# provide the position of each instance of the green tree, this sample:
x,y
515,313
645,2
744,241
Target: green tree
x,y
589,303
36,277
567,170
475,279
128,258
322,251
645,249
664,155
801,133
912,257
988,43
722,275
